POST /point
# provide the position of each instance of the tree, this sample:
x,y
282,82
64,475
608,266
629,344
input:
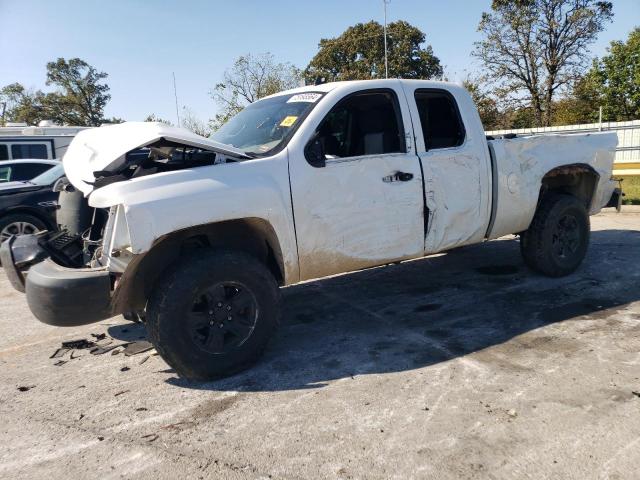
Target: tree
x,y
81,95
17,104
193,123
152,117
79,99
358,54
251,78
617,79
531,49
487,105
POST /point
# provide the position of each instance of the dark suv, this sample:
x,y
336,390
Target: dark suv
x,y
29,206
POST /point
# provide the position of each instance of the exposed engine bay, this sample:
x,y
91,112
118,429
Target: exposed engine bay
x,y
79,241
161,156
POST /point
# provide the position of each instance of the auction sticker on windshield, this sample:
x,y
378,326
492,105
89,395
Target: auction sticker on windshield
x,y
305,97
288,121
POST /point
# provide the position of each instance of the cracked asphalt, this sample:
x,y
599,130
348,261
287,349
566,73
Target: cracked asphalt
x,y
464,365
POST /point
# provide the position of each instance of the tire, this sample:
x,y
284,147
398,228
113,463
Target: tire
x,y
558,238
20,224
188,313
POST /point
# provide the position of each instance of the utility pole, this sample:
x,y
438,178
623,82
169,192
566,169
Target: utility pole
x,y
175,94
386,61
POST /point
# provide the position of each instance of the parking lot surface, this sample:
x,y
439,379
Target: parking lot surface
x,y
464,365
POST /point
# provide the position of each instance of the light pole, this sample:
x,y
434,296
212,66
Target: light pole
x,y
386,61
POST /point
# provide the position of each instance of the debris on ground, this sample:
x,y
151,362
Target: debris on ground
x,y
78,344
104,348
152,437
59,353
141,409
512,413
25,388
137,347
124,369
145,359
122,392
99,336
637,394
59,363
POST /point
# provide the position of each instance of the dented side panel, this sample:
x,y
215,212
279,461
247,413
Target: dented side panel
x,y
523,162
457,180
159,204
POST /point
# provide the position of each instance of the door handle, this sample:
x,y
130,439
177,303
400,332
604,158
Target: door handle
x,y
398,177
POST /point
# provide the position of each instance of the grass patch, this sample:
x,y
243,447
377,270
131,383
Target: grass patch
x,y
631,189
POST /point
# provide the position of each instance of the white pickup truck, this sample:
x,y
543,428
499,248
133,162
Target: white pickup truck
x,y
196,235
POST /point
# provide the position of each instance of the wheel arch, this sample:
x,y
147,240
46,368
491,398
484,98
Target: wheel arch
x,y
252,235
577,179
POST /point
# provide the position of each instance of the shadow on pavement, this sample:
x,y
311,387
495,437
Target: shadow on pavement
x,y
420,313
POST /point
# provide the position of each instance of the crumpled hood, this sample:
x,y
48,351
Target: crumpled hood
x,y
95,149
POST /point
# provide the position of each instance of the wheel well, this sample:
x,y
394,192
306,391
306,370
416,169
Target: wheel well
x,y
579,180
252,235
33,213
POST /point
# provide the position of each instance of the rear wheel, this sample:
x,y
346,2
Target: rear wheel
x,y
557,239
20,224
211,315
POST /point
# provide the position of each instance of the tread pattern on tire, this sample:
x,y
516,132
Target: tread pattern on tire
x,y
162,310
533,246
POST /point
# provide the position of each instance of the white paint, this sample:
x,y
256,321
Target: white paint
x,y
522,162
96,148
346,216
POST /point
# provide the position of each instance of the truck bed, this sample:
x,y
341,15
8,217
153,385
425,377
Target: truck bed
x,y
519,165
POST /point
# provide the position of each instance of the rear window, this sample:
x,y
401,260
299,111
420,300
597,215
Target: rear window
x,y
440,120
4,152
29,150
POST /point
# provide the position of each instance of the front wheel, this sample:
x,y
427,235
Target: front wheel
x,y
557,239
212,314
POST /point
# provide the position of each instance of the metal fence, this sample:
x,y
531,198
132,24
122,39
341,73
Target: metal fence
x,y
627,160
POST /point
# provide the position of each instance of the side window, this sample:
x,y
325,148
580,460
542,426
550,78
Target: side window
x,y
439,118
4,152
5,174
27,171
29,150
366,123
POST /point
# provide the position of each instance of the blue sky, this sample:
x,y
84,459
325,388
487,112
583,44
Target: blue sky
x,y
139,43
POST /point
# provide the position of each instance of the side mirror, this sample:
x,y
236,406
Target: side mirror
x,y
314,152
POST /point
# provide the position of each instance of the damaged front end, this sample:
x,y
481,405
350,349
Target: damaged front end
x,y
72,276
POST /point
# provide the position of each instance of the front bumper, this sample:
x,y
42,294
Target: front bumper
x,y
56,295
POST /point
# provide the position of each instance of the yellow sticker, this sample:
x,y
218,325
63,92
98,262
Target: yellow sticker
x,y
288,121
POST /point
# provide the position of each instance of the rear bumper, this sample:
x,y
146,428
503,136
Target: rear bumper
x,y
56,295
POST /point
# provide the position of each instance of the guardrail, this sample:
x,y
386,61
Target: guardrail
x,y
627,160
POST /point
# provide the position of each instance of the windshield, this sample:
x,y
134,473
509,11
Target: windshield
x,y
267,124
48,177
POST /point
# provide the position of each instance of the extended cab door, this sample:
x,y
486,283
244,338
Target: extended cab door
x,y
456,165
361,204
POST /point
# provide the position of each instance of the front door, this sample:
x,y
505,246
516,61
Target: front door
x,y
363,205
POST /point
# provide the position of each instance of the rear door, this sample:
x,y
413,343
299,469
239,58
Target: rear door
x,y
363,206
456,168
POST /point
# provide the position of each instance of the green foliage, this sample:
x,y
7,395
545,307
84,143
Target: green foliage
x,y
79,98
487,105
631,189
617,79
358,54
152,117
251,78
533,49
